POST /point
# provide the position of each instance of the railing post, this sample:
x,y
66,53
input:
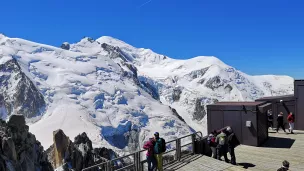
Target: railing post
x,y
109,166
193,143
137,161
178,149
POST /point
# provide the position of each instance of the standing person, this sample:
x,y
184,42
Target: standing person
x,y
211,141
149,146
159,149
221,141
280,121
270,119
285,166
290,119
232,143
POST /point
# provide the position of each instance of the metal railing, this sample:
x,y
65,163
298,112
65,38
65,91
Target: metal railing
x,y
138,164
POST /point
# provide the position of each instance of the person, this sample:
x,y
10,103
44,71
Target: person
x,y
149,146
232,142
290,119
280,121
211,141
270,119
285,166
159,149
221,141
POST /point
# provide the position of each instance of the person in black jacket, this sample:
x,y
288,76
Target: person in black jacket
x,y
285,166
280,121
232,143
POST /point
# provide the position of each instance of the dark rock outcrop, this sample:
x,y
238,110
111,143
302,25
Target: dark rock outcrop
x,y
176,94
214,83
19,92
65,46
199,111
176,114
76,155
19,149
228,88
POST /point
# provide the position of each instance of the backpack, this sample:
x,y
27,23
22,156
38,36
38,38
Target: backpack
x,y
164,148
222,140
160,146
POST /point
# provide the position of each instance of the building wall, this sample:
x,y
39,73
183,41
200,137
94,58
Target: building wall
x,y
299,94
218,119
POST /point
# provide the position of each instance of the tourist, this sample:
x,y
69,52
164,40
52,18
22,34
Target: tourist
x,y
149,146
222,147
290,119
285,166
280,121
159,149
211,142
270,119
232,143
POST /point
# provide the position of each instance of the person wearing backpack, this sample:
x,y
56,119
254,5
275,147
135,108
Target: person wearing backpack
x,y
221,141
212,144
159,149
291,120
232,142
270,118
149,146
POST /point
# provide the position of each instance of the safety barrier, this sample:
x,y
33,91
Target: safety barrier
x,y
138,164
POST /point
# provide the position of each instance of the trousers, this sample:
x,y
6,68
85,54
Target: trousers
x,y
159,161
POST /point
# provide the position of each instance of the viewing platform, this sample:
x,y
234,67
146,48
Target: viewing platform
x,y
280,146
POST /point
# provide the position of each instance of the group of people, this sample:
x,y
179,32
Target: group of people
x,y
155,147
222,143
280,120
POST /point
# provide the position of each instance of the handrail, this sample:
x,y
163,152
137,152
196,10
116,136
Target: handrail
x,y
138,164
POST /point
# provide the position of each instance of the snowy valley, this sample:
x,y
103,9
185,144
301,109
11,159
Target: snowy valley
x,y
116,93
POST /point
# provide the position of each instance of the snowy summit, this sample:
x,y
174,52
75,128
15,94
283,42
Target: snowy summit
x,y
116,93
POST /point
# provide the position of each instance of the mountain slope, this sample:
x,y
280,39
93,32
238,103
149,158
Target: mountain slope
x,y
90,88
189,85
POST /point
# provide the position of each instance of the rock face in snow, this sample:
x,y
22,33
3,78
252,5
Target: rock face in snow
x,y
65,46
76,155
20,95
19,150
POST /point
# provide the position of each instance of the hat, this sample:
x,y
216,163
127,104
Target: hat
x,y
156,134
228,129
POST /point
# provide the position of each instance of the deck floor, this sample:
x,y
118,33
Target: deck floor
x,y
269,157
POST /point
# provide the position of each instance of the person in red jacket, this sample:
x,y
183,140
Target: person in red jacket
x,y
149,146
291,119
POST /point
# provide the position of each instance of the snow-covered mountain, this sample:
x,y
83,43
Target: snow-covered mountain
x,y
120,94
189,85
84,89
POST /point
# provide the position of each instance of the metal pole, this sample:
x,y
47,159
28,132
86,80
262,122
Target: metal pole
x,y
193,143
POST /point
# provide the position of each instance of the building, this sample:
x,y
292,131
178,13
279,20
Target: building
x,y
249,119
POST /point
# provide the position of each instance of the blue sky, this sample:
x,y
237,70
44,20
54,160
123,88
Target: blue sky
x,y
255,36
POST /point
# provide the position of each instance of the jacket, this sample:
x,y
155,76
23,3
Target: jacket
x,y
290,118
218,137
280,119
232,141
283,169
149,146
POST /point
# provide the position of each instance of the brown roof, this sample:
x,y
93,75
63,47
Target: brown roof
x,y
276,97
238,103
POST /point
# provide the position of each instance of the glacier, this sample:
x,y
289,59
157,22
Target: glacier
x,y
120,95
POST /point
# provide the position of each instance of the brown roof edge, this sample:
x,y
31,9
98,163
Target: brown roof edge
x,y
276,97
229,103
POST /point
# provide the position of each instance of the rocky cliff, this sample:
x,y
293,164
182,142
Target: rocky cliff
x,y
19,149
